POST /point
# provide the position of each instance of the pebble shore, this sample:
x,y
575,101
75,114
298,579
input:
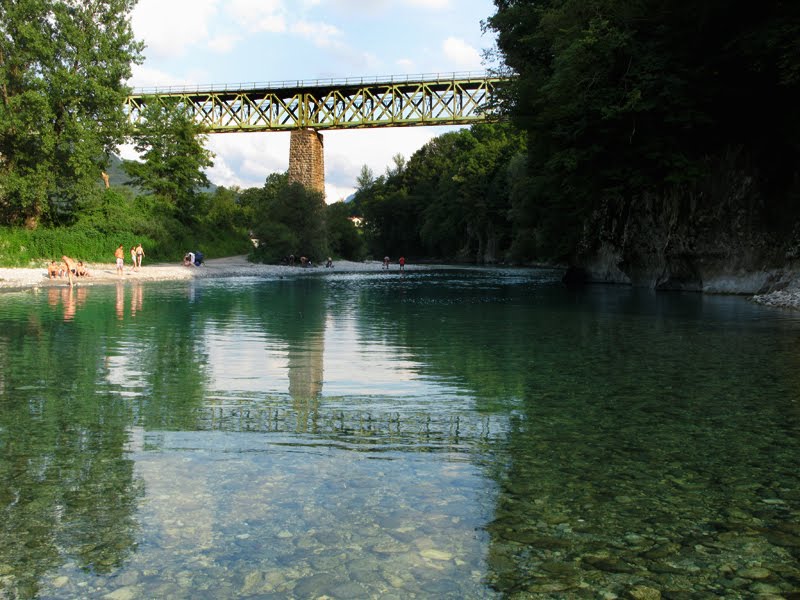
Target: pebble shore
x,y
238,266
779,299
235,266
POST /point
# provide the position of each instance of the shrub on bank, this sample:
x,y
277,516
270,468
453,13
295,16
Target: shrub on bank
x,y
30,248
166,242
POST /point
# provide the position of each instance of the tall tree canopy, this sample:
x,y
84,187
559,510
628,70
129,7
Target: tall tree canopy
x,y
63,67
622,97
290,219
450,200
172,147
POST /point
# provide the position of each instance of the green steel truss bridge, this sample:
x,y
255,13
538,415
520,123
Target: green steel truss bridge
x,y
391,101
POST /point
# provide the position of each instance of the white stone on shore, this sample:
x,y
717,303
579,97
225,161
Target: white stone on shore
x,y
780,299
232,266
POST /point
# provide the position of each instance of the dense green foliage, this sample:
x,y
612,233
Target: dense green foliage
x,y
344,239
171,146
290,220
451,200
624,103
119,217
63,65
62,70
622,98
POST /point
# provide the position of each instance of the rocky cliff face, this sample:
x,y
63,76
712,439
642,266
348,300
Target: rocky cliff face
x,y
715,237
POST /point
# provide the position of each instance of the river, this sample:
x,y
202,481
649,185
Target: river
x,y
459,433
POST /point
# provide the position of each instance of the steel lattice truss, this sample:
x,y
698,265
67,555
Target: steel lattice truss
x,y
344,104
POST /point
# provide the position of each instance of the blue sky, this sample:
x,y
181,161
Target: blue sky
x,y
191,42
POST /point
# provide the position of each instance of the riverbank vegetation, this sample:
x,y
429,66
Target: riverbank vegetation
x,y
661,136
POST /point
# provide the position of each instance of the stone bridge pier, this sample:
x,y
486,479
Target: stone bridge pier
x,y
307,159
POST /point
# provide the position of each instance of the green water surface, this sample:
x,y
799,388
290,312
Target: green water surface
x,y
440,434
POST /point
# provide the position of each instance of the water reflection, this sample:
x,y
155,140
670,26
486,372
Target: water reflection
x,y
448,434
69,298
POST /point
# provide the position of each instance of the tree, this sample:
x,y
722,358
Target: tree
x,y
290,219
63,64
397,166
625,98
174,156
365,178
343,237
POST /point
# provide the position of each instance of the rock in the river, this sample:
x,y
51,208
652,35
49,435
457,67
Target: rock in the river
x,y
643,592
754,573
434,554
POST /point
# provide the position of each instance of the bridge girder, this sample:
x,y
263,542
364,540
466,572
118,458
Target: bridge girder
x,y
457,99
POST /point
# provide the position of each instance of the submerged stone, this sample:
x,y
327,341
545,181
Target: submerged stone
x,y
643,592
754,573
434,554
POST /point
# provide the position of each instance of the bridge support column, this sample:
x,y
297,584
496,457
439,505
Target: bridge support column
x,y
307,159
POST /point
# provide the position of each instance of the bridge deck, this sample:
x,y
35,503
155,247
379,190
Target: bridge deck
x,y
453,99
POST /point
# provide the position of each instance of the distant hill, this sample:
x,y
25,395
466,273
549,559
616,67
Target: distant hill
x,y
117,177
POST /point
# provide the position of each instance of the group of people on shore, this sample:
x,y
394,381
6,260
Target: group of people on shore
x,y
305,261
69,267
400,261
137,254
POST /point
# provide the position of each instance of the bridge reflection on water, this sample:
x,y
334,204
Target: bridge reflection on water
x,y
249,375
423,431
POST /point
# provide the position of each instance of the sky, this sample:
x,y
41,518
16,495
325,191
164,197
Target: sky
x,y
195,42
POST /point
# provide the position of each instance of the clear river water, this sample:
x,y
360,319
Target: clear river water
x,y
459,433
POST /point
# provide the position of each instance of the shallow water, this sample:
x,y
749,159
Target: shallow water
x,y
439,434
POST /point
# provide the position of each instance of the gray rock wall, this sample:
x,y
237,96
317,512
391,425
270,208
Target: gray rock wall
x,y
713,237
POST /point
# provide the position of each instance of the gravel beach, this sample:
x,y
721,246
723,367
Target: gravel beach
x,y
238,266
233,266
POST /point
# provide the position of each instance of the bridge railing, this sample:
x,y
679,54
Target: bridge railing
x,y
309,83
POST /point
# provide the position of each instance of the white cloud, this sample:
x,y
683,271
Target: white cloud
x,y
224,42
334,193
347,151
430,4
269,23
171,28
144,77
254,8
258,15
462,54
127,152
321,34
246,159
406,65
380,5
223,174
